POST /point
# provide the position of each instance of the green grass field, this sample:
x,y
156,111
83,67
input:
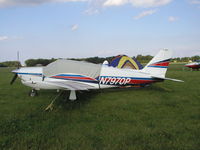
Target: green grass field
x,y
164,116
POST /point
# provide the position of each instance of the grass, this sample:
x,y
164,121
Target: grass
x,y
163,116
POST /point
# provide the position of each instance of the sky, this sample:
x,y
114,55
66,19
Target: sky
x,y
87,28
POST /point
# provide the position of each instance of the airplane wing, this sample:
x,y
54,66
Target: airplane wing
x,y
167,79
71,85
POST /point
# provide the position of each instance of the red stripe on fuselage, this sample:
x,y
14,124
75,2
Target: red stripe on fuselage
x,y
133,81
141,81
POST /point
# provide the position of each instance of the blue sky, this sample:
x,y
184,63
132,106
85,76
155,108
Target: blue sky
x,y
85,28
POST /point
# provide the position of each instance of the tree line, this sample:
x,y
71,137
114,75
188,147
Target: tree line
x,y
96,60
10,64
39,62
186,59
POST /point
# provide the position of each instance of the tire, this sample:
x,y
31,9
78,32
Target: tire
x,y
33,93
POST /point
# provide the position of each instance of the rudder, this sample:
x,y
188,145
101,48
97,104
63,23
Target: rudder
x,y
159,64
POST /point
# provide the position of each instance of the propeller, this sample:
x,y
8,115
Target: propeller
x,y
13,79
15,74
18,63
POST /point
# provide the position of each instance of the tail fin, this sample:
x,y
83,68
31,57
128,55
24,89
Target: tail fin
x,y
159,64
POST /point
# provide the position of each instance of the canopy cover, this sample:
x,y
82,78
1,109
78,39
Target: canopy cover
x,y
72,67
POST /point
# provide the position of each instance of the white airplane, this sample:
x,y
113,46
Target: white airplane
x,y
194,65
76,75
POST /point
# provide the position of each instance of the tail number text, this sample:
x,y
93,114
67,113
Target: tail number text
x,y
114,80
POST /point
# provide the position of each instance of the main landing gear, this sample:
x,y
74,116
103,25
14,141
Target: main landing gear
x,y
33,93
72,95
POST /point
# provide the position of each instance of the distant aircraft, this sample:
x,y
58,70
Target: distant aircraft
x,y
76,75
194,65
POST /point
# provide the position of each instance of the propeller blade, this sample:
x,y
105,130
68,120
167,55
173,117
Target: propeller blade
x,y
18,63
13,79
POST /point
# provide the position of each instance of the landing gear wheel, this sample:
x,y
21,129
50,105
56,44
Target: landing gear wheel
x,y
33,93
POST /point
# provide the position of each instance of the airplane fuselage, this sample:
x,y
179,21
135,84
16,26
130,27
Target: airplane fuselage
x,y
34,78
194,65
75,75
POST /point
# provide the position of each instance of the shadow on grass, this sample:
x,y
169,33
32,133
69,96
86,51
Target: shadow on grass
x,y
83,98
159,88
152,88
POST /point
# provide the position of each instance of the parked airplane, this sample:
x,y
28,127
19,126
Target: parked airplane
x,y
75,75
193,65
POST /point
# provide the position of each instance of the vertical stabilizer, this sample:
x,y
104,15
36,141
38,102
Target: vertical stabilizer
x,y
159,64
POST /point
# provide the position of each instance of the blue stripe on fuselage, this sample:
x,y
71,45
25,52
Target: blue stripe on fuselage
x,y
159,66
38,74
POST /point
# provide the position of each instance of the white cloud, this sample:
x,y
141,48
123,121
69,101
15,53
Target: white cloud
x,y
115,2
2,38
145,13
91,11
94,7
16,37
195,2
172,19
74,27
7,3
137,3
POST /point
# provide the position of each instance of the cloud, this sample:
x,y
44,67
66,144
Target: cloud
x,y
16,38
195,2
99,3
115,2
74,27
172,19
145,13
91,11
7,3
137,3
96,5
3,38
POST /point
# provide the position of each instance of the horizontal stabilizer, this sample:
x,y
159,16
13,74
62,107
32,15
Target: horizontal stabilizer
x,y
168,79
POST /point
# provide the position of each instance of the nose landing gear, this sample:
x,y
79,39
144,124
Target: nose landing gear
x,y
33,93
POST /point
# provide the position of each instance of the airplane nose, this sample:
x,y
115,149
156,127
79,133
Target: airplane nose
x,y
15,71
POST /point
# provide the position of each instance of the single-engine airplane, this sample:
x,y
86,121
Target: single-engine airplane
x,y
194,65
76,75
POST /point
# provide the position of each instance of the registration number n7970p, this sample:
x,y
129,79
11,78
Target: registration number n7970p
x,y
114,80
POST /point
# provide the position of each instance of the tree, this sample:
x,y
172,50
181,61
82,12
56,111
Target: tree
x,y
10,64
35,62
